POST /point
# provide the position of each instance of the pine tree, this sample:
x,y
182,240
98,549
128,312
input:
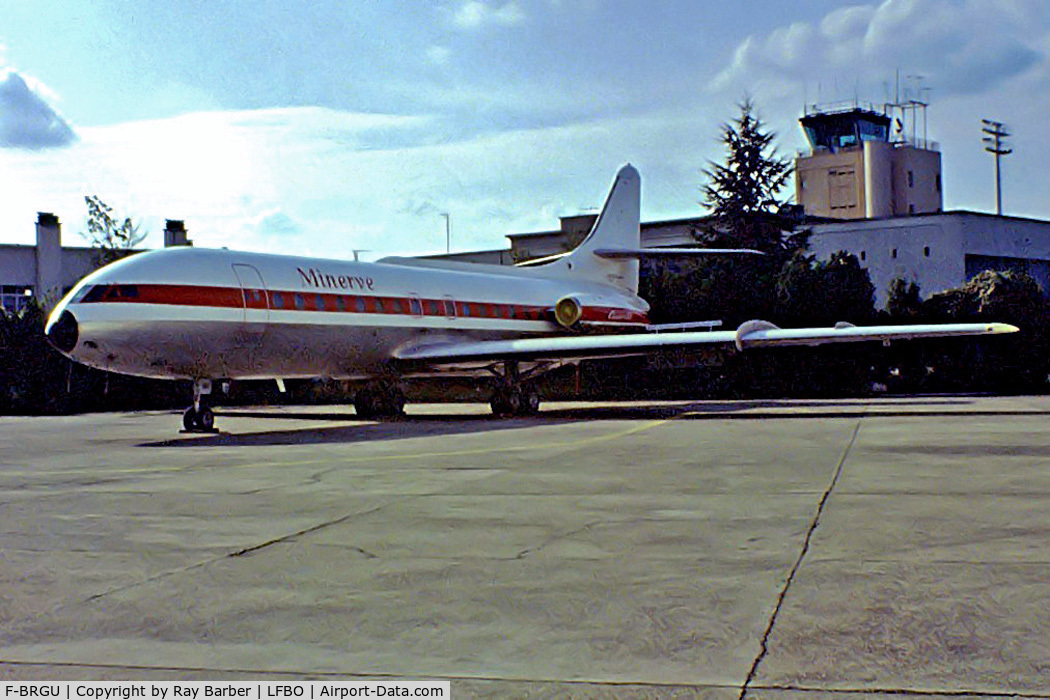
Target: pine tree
x,y
743,193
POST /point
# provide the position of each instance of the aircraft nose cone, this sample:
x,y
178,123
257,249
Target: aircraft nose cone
x,y
64,332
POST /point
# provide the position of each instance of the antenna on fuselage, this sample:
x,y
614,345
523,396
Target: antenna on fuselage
x,y
358,251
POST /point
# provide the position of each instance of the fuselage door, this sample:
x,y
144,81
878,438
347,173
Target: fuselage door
x,y
256,307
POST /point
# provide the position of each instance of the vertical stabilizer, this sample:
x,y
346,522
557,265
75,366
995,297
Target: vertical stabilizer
x,y
618,226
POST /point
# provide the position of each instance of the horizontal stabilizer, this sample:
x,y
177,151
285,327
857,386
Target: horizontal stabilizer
x,y
639,253
670,252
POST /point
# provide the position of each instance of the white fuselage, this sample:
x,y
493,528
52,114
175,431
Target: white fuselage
x,y
197,313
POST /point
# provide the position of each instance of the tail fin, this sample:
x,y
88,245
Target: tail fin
x,y
618,226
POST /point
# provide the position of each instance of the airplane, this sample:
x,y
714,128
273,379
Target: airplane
x,y
209,315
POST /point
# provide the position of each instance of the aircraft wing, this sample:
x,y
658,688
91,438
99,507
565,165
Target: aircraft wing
x,y
750,334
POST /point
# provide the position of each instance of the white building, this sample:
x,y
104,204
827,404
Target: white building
x,y
938,251
47,270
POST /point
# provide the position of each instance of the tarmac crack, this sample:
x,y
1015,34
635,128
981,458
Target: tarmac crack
x,y
764,646
231,555
551,540
914,692
315,528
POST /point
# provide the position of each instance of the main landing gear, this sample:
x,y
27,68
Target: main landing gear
x,y
199,417
512,397
380,400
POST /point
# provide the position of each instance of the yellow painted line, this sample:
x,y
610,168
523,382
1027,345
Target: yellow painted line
x,y
482,450
405,457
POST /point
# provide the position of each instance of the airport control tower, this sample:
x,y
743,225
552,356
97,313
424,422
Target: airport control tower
x,y
863,165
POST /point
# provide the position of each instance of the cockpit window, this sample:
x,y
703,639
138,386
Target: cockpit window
x,y
90,293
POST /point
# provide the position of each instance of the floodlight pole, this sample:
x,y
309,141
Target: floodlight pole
x,y
994,144
448,232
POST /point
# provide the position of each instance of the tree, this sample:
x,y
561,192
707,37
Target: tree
x,y
846,292
1015,362
743,194
112,240
905,301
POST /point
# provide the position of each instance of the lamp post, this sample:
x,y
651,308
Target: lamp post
x,y
448,232
993,143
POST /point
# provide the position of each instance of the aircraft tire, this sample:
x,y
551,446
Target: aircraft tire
x,y
189,420
498,404
506,403
381,403
530,404
205,420
364,404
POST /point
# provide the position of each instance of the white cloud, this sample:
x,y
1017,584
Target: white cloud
x,y
958,46
477,14
320,182
26,118
439,55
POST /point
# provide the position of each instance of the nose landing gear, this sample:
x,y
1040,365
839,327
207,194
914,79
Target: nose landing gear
x,y
199,417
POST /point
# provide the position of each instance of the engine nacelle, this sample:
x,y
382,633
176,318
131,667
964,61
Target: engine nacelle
x,y
568,312
596,313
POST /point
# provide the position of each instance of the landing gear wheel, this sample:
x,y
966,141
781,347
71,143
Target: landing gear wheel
x,y
189,420
364,404
199,418
511,402
498,402
381,402
205,420
198,421
530,404
512,397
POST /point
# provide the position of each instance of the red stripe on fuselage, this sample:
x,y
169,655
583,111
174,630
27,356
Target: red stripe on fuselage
x,y
236,298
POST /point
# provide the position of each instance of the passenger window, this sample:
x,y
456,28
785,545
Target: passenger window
x,y
278,300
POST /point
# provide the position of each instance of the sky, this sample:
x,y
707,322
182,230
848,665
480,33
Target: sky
x,y
327,126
